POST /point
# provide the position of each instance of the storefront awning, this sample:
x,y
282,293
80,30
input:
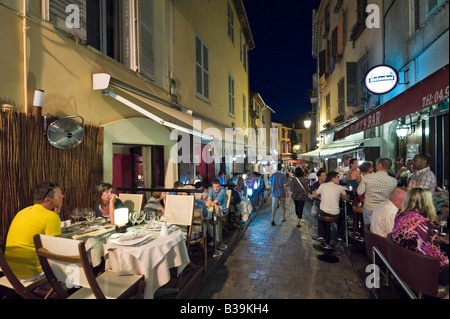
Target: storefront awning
x,y
160,111
331,149
432,90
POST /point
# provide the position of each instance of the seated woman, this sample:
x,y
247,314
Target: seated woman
x,y
106,201
245,206
414,228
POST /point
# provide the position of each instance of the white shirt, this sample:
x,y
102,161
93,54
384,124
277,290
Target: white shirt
x,y
330,194
383,218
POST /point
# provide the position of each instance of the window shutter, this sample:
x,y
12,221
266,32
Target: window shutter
x,y
201,68
59,17
146,38
352,83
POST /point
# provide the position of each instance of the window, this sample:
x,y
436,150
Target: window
x,y
120,29
230,21
243,50
328,108
230,95
341,97
300,137
202,68
244,109
56,14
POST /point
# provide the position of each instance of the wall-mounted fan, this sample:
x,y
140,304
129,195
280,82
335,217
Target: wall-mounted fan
x,y
64,133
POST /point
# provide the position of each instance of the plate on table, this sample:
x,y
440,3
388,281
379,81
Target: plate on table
x,y
130,242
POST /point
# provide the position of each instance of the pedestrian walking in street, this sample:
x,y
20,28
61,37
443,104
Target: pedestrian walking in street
x,y
299,192
279,183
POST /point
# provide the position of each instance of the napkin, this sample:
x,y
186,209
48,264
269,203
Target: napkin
x,y
132,236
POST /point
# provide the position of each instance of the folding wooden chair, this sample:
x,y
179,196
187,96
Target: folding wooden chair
x,y
66,261
180,211
9,280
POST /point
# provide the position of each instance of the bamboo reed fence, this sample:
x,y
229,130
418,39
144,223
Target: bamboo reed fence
x,y
27,159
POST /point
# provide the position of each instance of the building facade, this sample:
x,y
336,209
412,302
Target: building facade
x,y
143,75
353,37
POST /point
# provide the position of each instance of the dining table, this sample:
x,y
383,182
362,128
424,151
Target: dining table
x,y
149,251
146,249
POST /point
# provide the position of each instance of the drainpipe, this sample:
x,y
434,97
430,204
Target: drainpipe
x,y
24,48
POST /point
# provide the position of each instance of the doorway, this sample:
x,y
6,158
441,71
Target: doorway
x,y
137,166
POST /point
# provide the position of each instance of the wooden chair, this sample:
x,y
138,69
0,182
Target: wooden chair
x,y
418,271
66,261
132,201
9,280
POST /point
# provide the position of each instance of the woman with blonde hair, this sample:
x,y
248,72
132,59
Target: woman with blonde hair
x,y
414,228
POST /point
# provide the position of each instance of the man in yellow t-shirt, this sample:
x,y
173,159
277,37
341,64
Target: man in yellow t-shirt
x,y
41,218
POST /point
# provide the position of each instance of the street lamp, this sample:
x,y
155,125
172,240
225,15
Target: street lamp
x,y
307,122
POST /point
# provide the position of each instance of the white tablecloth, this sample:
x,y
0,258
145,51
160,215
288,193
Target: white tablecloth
x,y
153,260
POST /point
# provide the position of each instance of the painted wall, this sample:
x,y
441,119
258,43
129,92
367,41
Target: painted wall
x,y
208,19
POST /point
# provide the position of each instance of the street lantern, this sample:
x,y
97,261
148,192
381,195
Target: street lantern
x,y
307,122
402,130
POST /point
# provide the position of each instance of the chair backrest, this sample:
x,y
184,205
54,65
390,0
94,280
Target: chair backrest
x,y
228,193
179,209
65,261
372,239
132,201
418,271
15,283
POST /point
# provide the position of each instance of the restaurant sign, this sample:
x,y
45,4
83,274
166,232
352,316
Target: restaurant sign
x,y
381,79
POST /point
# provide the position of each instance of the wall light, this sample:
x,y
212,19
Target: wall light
x,y
403,130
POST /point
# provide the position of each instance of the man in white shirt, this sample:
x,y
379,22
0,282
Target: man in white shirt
x,y
377,187
383,217
330,194
343,169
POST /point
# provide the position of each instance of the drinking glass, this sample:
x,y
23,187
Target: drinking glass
x,y
149,219
140,216
76,214
132,217
90,216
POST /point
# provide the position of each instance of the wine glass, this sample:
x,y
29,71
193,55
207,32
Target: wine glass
x,y
132,217
90,216
76,214
140,215
149,219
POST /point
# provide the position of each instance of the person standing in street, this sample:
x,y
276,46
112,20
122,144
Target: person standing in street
x,y
279,183
377,187
300,192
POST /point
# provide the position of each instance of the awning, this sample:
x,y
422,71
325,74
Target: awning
x,y
160,111
432,90
331,149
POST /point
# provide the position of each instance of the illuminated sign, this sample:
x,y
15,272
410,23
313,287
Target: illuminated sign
x,y
381,79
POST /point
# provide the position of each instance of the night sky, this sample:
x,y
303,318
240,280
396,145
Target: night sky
x,y
281,65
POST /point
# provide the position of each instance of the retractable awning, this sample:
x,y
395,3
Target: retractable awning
x,y
331,149
161,111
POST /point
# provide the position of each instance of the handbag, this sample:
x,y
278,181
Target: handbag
x,y
302,186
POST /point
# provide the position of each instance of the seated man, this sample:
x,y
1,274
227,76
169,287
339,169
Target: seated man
x,y
154,203
218,199
383,216
41,218
330,193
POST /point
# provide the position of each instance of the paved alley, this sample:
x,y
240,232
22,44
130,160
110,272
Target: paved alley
x,y
279,262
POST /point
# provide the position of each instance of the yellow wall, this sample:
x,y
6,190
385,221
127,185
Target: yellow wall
x,y
64,69
208,19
